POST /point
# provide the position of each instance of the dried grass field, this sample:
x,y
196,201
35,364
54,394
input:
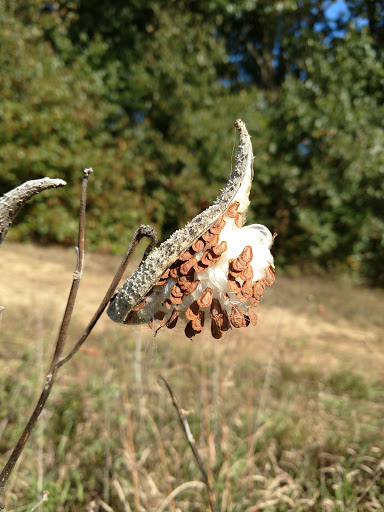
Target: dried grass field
x,y
287,415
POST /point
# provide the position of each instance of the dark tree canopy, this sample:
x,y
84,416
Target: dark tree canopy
x,y
147,93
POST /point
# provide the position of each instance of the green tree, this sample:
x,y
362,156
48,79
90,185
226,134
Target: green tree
x,y
147,95
327,171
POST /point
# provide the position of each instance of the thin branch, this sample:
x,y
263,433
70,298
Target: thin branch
x,y
63,331
17,451
141,232
57,360
188,434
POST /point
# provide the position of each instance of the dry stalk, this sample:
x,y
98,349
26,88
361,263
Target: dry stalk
x,y
191,441
120,493
58,359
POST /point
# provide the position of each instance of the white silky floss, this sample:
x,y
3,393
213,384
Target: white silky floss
x,y
256,236
215,276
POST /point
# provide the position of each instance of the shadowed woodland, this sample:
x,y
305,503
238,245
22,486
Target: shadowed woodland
x,y
147,96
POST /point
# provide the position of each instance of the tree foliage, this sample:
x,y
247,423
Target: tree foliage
x,y
147,95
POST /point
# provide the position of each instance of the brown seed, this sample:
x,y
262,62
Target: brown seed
x,y
258,288
187,266
205,298
219,315
159,315
252,316
220,249
214,241
199,267
233,285
140,305
165,275
185,281
241,297
216,310
237,318
176,291
174,272
208,236
167,303
192,311
254,301
209,258
239,220
231,269
247,274
246,255
247,289
238,265
198,322
232,210
205,260
269,278
198,245
187,255
175,300
150,323
190,331
217,227
172,321
192,288
215,330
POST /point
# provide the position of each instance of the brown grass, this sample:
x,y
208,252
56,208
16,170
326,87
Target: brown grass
x,y
287,415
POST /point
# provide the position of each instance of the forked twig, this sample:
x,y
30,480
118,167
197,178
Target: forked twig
x,y
191,441
58,360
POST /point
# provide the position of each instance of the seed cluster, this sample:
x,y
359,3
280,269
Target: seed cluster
x,y
184,273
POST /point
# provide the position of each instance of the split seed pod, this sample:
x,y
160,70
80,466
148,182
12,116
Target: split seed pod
x,y
213,262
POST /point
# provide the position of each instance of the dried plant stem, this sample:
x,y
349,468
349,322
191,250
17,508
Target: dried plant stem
x,y
141,232
63,332
59,344
120,493
188,434
58,360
